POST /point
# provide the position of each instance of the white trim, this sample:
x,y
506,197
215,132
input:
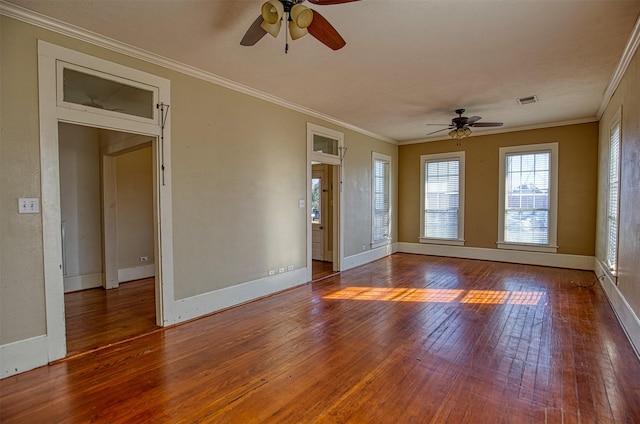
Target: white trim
x,y
442,157
42,21
338,195
369,256
552,148
206,303
628,53
136,273
50,115
23,355
556,260
82,282
629,321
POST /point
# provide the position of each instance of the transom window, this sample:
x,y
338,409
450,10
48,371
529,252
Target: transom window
x,y
528,181
442,198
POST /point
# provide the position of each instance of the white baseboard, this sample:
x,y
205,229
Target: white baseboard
x,y
136,273
626,316
368,256
82,282
203,304
499,255
23,355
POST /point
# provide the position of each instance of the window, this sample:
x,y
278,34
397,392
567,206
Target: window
x,y
381,198
528,197
612,199
442,198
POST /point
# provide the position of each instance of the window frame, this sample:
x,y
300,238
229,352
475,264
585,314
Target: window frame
x,y
443,157
551,246
380,157
611,258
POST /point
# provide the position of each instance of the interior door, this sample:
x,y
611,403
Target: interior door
x,y
317,215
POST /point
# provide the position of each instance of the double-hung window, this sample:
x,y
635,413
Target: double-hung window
x,y
613,194
381,199
442,198
528,197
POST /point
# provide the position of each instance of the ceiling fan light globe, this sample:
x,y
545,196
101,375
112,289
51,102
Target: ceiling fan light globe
x,y
301,15
272,11
467,132
453,134
272,29
460,132
296,32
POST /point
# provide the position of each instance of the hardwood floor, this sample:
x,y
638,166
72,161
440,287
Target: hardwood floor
x,y
321,269
97,317
406,339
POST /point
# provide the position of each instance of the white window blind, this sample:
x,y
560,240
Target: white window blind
x,y
380,188
442,199
527,202
612,201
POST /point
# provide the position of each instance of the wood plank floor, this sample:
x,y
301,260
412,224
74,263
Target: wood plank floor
x,y
406,339
98,317
321,269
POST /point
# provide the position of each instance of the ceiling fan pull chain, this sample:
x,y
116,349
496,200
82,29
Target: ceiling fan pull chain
x,y
286,35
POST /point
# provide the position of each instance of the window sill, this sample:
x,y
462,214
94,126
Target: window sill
x,y
527,247
441,241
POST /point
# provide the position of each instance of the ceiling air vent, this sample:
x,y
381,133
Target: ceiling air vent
x,y
527,100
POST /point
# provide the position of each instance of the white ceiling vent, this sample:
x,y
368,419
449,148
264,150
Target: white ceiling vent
x,y
527,100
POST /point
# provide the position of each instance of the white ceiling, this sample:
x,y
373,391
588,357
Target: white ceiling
x,y
406,63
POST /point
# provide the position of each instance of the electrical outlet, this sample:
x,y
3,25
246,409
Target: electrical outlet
x,y
280,270
364,247
272,272
290,268
144,258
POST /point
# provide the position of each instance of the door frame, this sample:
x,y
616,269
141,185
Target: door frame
x,y
51,112
338,198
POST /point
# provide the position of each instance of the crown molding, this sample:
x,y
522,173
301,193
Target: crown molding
x,y
60,27
507,130
627,54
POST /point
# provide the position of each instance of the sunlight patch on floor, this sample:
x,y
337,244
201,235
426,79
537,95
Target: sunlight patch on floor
x,y
399,294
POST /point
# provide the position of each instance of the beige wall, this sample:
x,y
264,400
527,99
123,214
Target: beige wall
x,y
576,185
80,204
626,96
238,172
134,199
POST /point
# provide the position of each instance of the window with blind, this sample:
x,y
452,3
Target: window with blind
x,y
528,182
381,199
612,199
442,198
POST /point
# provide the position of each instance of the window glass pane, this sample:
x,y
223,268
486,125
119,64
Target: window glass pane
x,y
442,199
612,201
326,145
380,218
316,198
100,93
527,198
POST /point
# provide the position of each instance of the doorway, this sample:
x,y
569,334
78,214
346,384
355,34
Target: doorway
x,y
323,220
106,209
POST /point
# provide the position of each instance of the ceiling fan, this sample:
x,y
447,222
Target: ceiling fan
x,y
460,125
300,21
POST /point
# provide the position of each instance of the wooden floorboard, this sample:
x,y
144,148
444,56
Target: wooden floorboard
x,y
96,318
406,339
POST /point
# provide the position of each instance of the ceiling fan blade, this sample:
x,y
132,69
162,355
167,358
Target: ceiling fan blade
x,y
326,2
486,124
473,119
434,132
324,32
254,33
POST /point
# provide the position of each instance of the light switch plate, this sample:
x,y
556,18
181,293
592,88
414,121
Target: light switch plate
x,y
28,205
301,203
